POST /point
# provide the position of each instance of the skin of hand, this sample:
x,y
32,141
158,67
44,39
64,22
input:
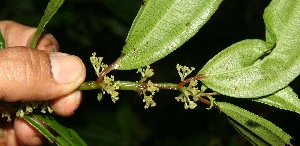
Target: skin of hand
x,y
41,74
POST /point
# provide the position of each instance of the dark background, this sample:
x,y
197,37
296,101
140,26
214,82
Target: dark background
x,y
85,26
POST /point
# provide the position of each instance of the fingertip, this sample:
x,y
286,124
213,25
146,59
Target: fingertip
x,y
10,136
37,75
26,134
15,34
66,105
48,43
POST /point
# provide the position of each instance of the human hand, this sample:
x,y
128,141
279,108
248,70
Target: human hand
x,y
40,74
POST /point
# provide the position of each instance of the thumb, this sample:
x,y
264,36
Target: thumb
x,y
34,75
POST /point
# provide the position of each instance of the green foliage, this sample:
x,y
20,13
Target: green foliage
x,y
160,27
63,136
50,10
257,129
233,59
2,42
284,99
268,71
254,69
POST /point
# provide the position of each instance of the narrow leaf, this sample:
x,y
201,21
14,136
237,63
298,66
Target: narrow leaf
x,y
275,70
254,126
39,127
160,27
255,140
64,136
50,10
2,41
285,99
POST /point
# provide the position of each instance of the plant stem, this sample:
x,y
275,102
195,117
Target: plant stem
x,y
127,85
207,102
107,70
198,77
139,86
91,85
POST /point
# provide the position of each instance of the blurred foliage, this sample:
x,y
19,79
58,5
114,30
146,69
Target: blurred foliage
x,y
86,26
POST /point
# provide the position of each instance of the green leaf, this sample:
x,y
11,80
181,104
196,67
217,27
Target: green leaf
x,y
50,10
65,136
257,129
273,71
2,41
285,99
234,59
161,26
248,134
39,127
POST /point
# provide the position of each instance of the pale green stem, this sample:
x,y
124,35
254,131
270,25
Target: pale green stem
x,y
127,85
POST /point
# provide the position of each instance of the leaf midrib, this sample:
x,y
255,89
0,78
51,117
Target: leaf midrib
x,y
146,38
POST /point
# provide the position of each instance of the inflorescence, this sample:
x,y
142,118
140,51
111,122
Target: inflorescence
x,y
189,94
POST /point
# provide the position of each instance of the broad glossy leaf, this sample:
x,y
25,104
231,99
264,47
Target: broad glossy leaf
x,y
285,99
276,70
254,126
50,10
160,27
64,136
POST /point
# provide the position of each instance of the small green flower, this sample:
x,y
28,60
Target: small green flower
x,y
28,109
148,99
184,71
99,96
191,90
7,115
45,107
110,86
20,113
146,73
97,64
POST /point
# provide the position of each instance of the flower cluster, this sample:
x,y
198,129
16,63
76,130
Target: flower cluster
x,y
148,99
150,88
109,86
97,63
7,115
184,71
191,90
146,73
27,108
